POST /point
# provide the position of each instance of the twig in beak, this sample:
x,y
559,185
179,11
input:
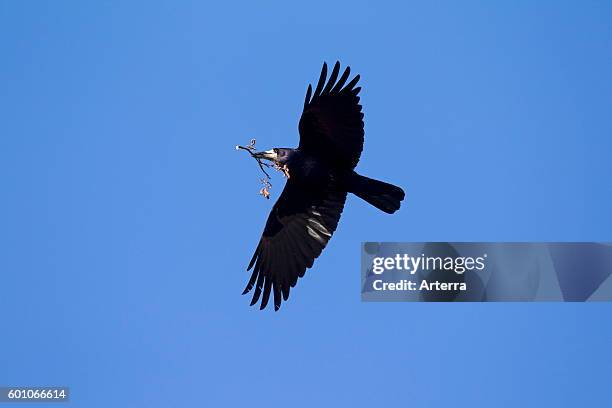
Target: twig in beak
x,y
258,156
251,148
265,189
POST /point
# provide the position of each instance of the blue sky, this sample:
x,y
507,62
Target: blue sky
x,y
128,218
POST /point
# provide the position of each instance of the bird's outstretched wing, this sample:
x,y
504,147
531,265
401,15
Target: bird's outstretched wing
x,y
299,226
331,126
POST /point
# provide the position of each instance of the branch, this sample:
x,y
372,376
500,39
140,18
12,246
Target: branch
x,y
250,148
265,190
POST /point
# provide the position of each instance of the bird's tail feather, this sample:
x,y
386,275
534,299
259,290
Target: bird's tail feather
x,y
384,196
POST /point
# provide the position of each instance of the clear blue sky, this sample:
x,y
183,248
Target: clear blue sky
x,y
128,218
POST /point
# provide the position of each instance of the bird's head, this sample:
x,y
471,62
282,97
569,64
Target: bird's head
x,y
277,155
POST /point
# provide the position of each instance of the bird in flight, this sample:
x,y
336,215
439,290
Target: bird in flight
x,y
320,173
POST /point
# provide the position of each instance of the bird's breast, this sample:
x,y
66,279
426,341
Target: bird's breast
x,y
308,170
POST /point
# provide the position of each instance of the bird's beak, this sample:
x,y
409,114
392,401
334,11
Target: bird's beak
x,y
268,155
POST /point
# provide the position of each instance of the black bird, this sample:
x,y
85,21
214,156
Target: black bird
x,y
320,175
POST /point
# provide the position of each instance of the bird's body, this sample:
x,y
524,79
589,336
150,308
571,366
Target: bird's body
x,y
305,168
320,175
